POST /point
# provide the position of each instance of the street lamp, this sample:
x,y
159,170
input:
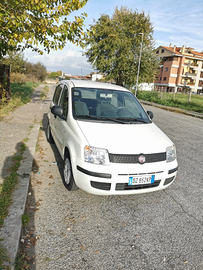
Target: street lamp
x,y
139,64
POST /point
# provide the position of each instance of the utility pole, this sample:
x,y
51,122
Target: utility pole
x,y
139,64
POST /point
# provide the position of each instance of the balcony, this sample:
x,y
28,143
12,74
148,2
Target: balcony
x,y
191,64
189,75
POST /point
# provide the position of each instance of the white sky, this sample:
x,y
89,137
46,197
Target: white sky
x,y
175,21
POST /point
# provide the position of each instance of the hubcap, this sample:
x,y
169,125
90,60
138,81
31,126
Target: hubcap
x,y
67,171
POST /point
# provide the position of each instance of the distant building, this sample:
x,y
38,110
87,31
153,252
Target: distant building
x,y
96,76
146,86
181,69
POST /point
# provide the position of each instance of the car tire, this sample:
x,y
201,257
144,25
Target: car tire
x,y
49,135
68,179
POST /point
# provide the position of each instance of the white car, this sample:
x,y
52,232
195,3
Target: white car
x,y
107,140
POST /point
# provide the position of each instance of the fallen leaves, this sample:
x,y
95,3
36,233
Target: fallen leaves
x,y
33,240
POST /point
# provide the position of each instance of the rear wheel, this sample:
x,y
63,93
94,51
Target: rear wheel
x,y
68,179
48,134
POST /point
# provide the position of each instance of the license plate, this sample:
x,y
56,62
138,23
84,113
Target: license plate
x,y
141,179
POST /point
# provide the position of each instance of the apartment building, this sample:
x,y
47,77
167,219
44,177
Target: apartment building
x,y
181,69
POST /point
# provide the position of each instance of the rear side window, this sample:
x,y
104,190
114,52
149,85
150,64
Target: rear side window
x,y
57,94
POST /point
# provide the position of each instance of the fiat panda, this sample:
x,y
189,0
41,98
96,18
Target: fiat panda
x,y
108,141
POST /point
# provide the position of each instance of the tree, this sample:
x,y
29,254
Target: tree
x,y
113,46
15,60
37,70
54,75
26,24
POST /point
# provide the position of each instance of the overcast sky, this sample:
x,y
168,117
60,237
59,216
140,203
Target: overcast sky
x,y
175,21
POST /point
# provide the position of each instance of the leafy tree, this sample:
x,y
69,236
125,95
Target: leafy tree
x,y
113,46
37,70
53,75
15,60
37,22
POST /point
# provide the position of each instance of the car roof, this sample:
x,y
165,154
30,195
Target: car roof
x,y
93,84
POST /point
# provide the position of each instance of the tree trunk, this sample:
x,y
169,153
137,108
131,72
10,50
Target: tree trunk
x,y
119,80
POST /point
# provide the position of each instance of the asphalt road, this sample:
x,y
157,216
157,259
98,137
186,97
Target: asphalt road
x,y
160,230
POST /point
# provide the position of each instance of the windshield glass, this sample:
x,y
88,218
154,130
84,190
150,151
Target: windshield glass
x,y
108,105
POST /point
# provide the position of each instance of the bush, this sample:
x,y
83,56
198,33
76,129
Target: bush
x,y
18,78
36,70
54,75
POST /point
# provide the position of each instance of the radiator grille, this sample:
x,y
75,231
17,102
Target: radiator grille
x,y
149,158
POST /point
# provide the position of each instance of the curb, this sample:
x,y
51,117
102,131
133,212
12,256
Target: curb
x,y
13,222
172,109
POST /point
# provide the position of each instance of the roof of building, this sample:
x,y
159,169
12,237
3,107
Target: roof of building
x,y
188,51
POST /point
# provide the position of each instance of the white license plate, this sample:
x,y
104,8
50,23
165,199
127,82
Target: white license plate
x,y
141,179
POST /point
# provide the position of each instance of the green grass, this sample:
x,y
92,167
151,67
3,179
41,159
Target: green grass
x,y
20,95
44,92
6,190
3,257
181,100
20,262
25,220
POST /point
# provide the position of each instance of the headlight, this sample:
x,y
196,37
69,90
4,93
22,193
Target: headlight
x,y
170,153
96,155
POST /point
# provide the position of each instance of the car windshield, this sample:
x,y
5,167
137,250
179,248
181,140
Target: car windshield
x,y
107,105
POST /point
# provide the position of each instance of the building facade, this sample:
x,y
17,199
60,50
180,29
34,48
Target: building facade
x,y
181,69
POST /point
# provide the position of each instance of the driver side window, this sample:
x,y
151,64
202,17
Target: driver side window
x,y
57,94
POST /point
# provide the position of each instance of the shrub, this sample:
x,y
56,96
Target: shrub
x,y
18,78
53,75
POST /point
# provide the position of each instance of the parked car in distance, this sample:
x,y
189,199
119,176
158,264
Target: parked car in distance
x,y
107,140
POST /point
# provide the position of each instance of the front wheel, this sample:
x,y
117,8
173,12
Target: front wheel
x,y
68,179
48,134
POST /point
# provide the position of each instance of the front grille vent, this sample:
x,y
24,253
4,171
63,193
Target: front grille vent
x,y
149,158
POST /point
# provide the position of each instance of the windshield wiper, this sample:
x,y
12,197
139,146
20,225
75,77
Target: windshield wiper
x,y
132,119
117,120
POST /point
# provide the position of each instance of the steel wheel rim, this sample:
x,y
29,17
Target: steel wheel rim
x,y
67,171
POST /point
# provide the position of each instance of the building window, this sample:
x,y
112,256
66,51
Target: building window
x,y
162,51
164,78
157,52
166,69
160,78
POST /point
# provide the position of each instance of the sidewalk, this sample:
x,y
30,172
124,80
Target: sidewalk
x,y
23,123
172,109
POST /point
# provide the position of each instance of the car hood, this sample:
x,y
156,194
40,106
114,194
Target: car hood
x,y
125,138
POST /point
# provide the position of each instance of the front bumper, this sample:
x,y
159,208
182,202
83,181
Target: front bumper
x,y
113,179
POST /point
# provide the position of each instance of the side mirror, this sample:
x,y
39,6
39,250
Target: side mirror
x,y
57,111
150,114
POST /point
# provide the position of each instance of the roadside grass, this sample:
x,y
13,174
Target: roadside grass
x,y
181,100
20,262
20,95
25,219
3,257
6,190
44,92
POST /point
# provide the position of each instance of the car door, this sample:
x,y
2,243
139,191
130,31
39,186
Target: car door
x,y
53,119
61,124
